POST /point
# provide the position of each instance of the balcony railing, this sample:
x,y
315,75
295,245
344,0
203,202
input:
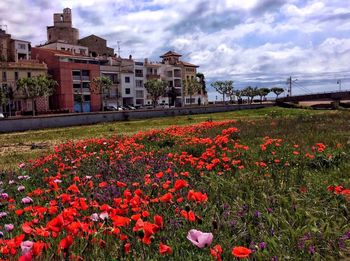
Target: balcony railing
x,y
138,74
76,77
85,78
152,76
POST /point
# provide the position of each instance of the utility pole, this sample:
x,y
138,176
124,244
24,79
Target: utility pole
x,y
118,43
290,83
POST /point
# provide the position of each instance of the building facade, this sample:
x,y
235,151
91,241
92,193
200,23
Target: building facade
x,y
74,74
97,46
16,63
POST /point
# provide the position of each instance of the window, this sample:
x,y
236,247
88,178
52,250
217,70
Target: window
x,y
115,78
192,100
76,86
127,91
22,46
139,73
139,94
170,73
16,76
139,83
127,79
29,74
4,76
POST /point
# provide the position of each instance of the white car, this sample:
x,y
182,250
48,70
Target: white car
x,y
2,116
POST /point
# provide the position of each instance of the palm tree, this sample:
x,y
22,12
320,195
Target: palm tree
x,y
100,85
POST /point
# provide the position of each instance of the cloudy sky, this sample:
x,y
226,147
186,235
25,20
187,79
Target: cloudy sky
x,y
252,42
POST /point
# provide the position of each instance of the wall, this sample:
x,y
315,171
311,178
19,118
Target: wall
x,y
42,122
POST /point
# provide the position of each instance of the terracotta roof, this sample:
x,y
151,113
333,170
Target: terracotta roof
x,y
170,53
188,64
62,53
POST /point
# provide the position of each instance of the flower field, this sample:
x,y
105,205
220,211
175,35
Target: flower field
x,y
216,190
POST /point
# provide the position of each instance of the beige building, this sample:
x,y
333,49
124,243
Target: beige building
x,y
16,63
97,46
121,73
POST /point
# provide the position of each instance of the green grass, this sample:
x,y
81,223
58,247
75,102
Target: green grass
x,y
17,147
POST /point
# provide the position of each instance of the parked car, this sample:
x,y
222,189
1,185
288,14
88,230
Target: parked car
x,y
2,116
113,108
129,107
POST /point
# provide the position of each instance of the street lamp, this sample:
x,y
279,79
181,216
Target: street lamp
x,y
339,83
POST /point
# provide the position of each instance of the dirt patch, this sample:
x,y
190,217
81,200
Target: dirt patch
x,y
25,147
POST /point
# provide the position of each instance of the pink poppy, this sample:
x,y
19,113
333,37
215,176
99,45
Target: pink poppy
x,y
9,227
199,238
27,200
26,246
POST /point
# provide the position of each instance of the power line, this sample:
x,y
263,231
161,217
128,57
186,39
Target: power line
x,y
302,87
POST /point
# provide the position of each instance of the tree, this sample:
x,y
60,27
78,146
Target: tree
x,y
277,91
34,87
6,96
223,87
155,88
191,87
99,86
230,92
250,92
262,92
201,80
3,98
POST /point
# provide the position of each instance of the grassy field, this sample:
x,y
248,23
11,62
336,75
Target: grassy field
x,y
21,146
267,184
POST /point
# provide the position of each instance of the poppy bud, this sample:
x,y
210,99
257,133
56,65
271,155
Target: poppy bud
x,y
215,224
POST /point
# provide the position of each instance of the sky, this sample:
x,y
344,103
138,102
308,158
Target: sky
x,y
252,42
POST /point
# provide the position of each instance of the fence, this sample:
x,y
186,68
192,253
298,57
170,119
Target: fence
x,y
76,119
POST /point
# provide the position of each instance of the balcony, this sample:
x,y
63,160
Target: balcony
x,y
139,75
177,73
153,76
76,77
85,78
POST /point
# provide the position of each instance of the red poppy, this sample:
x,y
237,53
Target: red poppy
x,y
241,252
180,183
66,242
215,252
164,249
166,198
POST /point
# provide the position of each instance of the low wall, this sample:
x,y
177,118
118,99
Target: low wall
x,y
74,119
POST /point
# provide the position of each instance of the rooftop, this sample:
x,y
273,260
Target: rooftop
x,y
170,53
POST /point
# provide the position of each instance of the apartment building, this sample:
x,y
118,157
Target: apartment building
x,y
16,63
120,71
74,74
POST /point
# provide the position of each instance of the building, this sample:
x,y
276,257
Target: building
x,y
62,29
188,72
120,71
16,63
97,46
73,74
62,46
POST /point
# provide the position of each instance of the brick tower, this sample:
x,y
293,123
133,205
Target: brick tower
x,y
62,29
